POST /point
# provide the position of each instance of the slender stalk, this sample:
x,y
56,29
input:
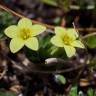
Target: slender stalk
x,y
22,16
37,22
89,35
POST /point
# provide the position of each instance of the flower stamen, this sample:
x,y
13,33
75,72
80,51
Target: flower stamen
x,y
25,34
67,39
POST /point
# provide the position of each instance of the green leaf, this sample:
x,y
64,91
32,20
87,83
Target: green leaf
x,y
73,91
90,92
63,4
50,2
91,41
60,78
42,53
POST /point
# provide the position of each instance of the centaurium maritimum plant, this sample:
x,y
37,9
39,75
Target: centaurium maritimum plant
x,y
68,39
24,34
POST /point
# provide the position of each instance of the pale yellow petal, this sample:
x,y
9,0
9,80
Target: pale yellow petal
x,y
24,23
72,33
16,44
11,31
60,31
32,43
37,29
78,44
70,51
57,41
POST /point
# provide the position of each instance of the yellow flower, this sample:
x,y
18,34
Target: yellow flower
x,y
24,34
68,39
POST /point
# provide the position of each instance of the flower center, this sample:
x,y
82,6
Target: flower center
x,y
25,34
67,40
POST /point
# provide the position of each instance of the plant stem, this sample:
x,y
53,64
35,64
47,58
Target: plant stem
x,y
37,22
89,35
22,16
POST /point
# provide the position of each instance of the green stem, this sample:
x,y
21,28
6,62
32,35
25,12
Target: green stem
x,y
88,35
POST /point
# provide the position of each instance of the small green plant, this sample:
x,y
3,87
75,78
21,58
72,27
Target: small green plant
x,y
73,91
62,43
91,92
68,39
24,33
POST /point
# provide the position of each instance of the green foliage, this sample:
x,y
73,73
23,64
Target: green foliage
x,y
82,4
6,19
60,79
57,20
86,4
42,53
63,4
73,91
46,50
50,2
91,41
7,94
90,92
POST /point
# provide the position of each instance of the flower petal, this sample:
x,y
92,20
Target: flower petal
x,y
24,23
70,51
16,44
37,29
11,31
57,41
32,43
72,33
77,43
60,31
